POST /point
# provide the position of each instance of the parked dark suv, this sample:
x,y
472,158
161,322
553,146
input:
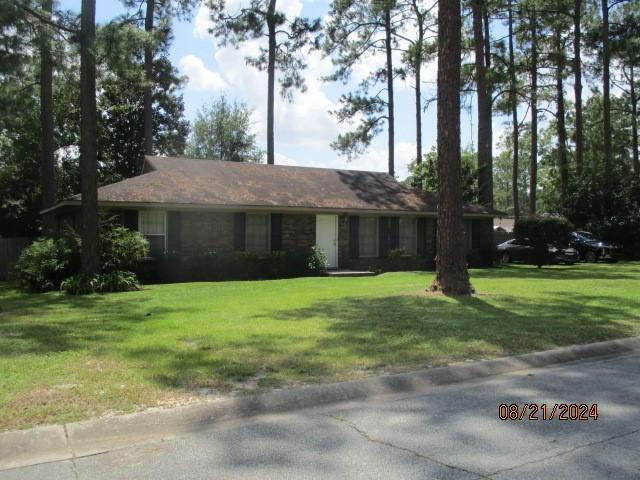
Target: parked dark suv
x,y
514,251
591,249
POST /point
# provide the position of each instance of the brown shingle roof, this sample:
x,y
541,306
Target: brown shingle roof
x,y
186,181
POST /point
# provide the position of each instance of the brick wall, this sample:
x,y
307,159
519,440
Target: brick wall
x,y
298,232
385,264
202,231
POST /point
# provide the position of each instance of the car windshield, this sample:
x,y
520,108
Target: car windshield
x,y
587,235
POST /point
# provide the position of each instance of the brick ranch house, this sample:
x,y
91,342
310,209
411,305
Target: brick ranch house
x,y
362,220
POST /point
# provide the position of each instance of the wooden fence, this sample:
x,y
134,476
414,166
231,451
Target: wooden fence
x,y
10,249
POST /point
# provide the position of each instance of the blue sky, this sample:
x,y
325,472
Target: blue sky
x,y
304,128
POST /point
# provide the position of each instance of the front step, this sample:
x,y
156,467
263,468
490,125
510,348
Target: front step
x,y
350,273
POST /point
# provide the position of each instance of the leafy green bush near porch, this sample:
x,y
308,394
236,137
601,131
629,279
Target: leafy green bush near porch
x,y
51,264
65,358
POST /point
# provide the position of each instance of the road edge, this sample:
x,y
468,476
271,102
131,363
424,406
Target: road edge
x,y
73,440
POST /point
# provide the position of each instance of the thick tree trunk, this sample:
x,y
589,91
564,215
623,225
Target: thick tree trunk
x,y
418,117
634,123
452,277
560,119
489,113
513,100
271,81
88,158
606,100
577,85
487,37
47,162
147,100
417,67
390,114
533,168
485,162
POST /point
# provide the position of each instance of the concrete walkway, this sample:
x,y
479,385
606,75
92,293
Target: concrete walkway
x,y
452,432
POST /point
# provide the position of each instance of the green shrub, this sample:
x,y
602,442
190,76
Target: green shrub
x,y
79,284
317,262
396,253
211,266
121,248
540,232
245,265
203,265
45,263
115,281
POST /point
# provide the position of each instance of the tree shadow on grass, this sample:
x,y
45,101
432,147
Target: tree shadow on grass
x,y
409,329
393,332
50,322
222,366
357,333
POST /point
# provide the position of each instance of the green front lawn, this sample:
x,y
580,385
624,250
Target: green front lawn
x,y
66,358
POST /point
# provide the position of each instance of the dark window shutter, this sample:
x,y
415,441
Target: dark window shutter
x,y
239,231
354,246
394,232
130,219
435,238
383,236
476,228
276,232
174,227
422,237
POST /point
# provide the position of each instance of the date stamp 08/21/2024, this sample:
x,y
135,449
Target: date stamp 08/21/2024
x,y
543,411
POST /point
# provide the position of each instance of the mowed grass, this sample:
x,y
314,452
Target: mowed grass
x,y
65,358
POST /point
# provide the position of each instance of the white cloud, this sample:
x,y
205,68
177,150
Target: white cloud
x,y
376,159
304,128
499,135
202,22
200,77
429,72
303,121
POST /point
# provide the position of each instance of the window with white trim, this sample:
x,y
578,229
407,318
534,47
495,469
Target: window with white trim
x,y
368,236
257,232
408,235
153,226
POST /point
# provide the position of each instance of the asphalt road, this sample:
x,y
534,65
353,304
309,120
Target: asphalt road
x,y
452,433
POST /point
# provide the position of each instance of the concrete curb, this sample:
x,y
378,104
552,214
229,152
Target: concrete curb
x,y
55,443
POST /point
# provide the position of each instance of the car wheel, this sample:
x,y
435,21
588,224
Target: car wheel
x,y
591,257
504,259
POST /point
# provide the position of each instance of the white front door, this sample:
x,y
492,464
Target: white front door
x,y
327,237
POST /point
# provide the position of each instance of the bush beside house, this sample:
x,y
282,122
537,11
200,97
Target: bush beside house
x,y
46,262
208,265
52,264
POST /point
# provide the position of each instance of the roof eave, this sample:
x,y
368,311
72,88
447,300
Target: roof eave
x,y
194,206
